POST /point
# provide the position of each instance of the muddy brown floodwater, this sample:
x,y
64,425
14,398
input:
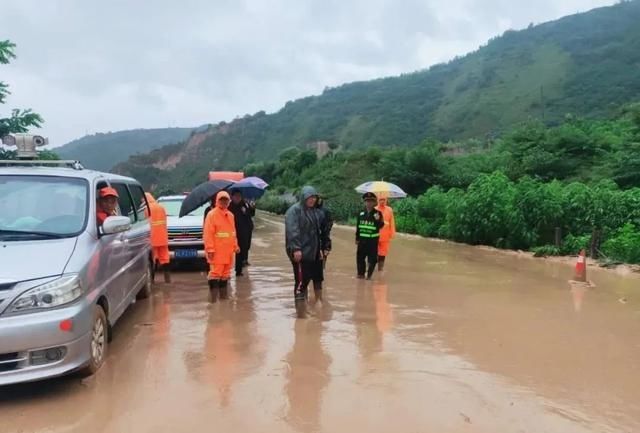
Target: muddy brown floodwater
x,y
451,339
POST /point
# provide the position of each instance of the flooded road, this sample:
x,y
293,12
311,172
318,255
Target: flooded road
x,y
450,339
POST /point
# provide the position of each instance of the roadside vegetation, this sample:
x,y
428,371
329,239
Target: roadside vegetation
x,y
553,190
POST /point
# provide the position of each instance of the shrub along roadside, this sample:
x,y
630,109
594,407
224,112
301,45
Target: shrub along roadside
x,y
274,203
624,245
510,191
498,212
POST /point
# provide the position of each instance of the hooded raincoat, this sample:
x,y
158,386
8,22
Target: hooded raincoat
x,y
220,242
304,228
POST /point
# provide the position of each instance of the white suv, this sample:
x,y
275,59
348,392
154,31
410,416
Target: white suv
x,y
185,234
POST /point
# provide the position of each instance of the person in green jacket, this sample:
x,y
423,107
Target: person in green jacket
x,y
368,225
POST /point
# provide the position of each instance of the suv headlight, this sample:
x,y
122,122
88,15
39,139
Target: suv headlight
x,y
49,295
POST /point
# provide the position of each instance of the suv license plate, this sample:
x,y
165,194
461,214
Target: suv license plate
x,y
186,254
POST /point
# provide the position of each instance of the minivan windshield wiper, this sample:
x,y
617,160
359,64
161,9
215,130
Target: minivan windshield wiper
x,y
32,233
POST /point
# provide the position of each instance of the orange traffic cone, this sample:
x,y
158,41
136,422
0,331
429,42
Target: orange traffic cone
x,y
581,268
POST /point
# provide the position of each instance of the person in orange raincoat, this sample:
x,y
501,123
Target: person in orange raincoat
x,y
221,245
107,204
159,235
387,232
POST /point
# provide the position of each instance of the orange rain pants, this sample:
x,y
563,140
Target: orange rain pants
x,y
387,232
159,233
161,255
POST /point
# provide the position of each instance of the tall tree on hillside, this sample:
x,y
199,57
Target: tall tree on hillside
x,y
626,162
20,120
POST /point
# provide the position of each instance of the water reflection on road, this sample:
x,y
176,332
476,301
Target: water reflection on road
x,y
451,339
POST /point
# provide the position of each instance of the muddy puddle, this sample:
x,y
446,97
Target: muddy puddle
x,y
449,339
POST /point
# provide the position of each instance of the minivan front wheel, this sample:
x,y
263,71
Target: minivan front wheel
x,y
98,342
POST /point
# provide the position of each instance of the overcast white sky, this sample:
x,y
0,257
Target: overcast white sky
x,y
91,66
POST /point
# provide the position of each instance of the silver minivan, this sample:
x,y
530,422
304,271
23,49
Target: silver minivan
x,y
64,281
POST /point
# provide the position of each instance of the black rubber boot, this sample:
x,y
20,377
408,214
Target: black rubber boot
x,y
370,271
214,287
317,290
224,289
381,263
154,271
239,265
167,273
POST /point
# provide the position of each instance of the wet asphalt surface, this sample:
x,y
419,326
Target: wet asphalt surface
x,y
449,339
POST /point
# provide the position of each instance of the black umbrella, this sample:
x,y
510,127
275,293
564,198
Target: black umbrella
x,y
202,194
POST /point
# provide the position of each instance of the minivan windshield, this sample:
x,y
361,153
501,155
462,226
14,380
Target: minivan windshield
x,y
172,207
42,206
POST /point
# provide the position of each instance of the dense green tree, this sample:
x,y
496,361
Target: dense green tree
x,y
20,120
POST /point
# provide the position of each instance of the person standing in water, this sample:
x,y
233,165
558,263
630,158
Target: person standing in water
x,y
368,225
221,245
387,233
159,236
252,207
304,243
243,214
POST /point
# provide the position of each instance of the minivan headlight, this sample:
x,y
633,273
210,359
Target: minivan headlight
x,y
49,295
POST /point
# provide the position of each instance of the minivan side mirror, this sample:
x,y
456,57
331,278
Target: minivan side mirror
x,y
115,224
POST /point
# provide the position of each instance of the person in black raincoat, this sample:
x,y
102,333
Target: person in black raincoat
x,y
252,206
243,214
304,240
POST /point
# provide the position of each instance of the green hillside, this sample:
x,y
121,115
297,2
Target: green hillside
x,y
102,151
585,64
581,177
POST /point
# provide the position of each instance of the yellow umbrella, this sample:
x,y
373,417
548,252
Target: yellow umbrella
x,y
382,189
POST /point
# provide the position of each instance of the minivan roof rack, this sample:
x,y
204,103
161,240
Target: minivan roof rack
x,y
76,165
